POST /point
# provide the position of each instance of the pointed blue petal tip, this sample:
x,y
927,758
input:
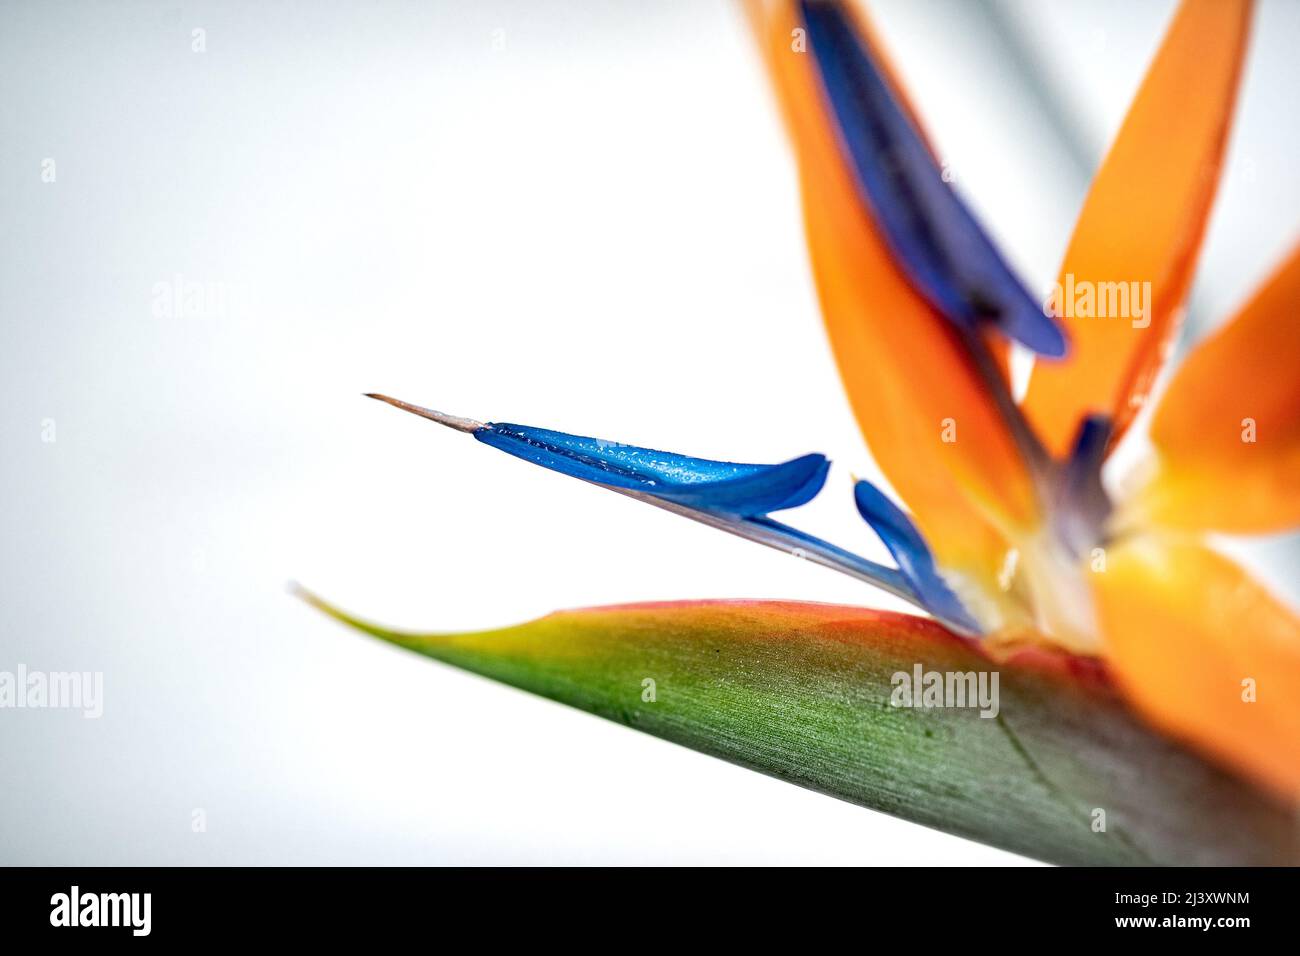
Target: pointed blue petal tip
x,y
938,242
911,554
731,488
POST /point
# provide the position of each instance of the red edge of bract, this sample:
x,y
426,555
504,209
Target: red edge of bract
x,y
1088,672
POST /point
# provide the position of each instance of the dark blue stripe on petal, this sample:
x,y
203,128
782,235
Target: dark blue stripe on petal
x,y
912,554
937,240
726,487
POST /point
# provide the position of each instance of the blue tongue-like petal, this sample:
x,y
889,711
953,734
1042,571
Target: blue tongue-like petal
x,y
940,245
727,487
911,554
730,496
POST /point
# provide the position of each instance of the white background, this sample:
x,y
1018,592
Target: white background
x,y
593,227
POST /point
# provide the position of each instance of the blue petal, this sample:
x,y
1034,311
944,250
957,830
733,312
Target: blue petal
x,y
1082,505
725,487
911,554
823,552
943,249
1084,464
725,495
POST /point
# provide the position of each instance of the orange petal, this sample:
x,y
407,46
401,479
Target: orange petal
x,y
1228,429
907,375
1142,223
1188,634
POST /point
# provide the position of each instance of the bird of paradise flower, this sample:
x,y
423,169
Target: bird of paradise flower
x,y
1150,688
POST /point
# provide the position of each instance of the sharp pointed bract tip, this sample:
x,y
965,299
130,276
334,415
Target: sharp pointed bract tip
x,y
451,421
294,589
